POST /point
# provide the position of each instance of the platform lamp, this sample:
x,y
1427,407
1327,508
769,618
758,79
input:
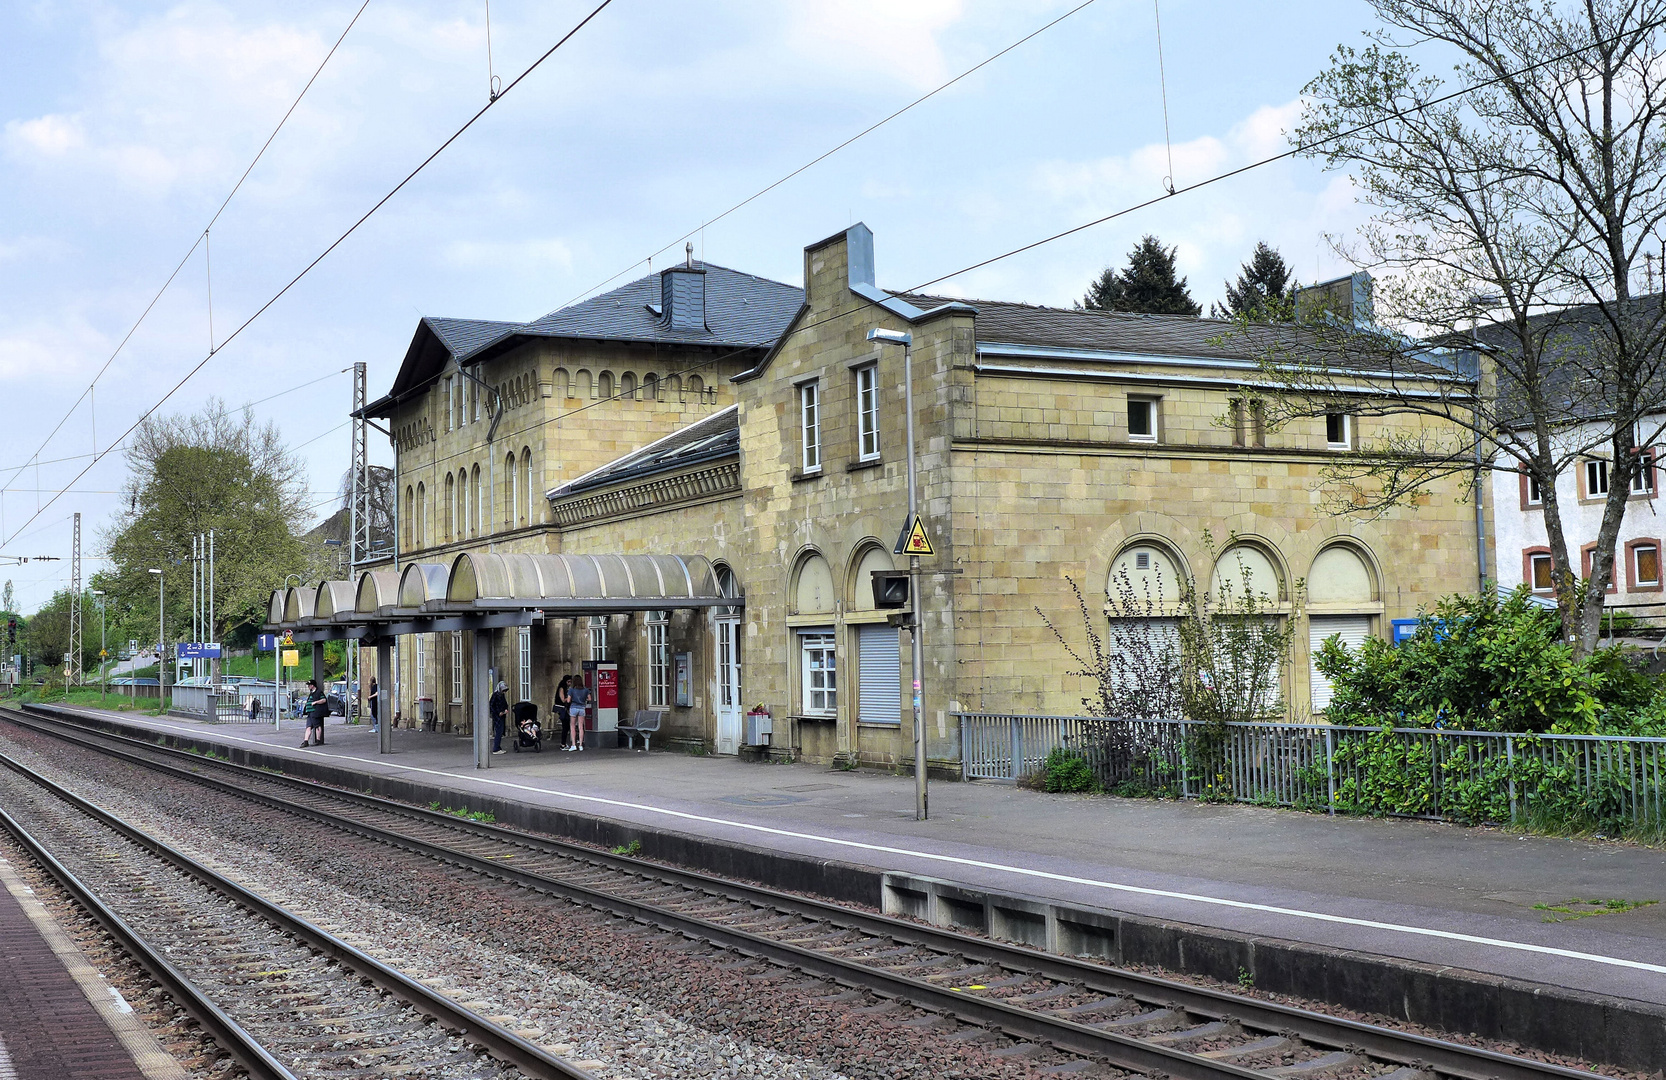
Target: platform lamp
x,y
103,651
906,340
161,639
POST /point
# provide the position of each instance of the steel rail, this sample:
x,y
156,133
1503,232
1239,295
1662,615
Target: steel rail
x,y
226,1032
502,1043
1447,1058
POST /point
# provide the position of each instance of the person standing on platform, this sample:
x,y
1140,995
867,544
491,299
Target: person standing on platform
x,y
316,709
499,708
561,710
375,707
580,697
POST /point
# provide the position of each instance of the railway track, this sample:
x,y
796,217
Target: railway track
x,y
1125,1020
283,997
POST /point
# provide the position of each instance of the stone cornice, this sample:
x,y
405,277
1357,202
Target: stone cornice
x,y
660,492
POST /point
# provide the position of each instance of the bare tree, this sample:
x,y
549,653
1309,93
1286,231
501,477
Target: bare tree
x,y
1526,204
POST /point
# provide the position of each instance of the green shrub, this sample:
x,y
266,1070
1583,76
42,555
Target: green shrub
x,y
1067,771
1482,664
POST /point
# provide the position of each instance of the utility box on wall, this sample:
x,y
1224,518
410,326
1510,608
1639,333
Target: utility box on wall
x,y
758,728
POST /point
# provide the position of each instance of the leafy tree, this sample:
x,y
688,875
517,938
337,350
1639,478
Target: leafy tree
x,y
1264,291
1527,205
212,469
1148,284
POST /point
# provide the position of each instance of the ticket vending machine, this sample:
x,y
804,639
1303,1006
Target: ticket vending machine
x,y
603,681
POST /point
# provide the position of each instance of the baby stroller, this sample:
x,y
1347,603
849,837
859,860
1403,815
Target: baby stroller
x,y
528,734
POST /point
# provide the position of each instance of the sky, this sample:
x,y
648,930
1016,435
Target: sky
x,y
123,127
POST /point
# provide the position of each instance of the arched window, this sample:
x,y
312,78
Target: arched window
x,y
1142,572
477,521
528,487
511,490
450,532
604,385
674,386
406,527
696,388
813,586
727,586
581,384
421,523
627,385
561,383
873,558
650,387
1247,566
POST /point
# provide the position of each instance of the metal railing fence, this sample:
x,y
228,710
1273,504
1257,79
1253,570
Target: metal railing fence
x,y
225,705
1605,781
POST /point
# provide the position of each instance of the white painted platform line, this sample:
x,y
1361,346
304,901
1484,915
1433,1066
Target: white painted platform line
x,y
1020,871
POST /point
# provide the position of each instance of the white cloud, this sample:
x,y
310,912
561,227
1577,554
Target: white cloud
x,y
897,40
50,136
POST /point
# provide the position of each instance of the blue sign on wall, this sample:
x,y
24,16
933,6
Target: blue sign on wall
x,y
199,650
266,641
1404,629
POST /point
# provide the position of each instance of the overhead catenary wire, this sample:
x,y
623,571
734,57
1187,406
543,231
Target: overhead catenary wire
x,y
337,242
1295,151
818,159
200,239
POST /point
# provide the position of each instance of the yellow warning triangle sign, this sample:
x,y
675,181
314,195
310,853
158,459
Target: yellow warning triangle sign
x,y
913,539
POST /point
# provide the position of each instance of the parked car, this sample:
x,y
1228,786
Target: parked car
x,y
126,681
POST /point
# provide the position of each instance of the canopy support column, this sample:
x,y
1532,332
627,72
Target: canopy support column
x,y
318,664
479,694
385,695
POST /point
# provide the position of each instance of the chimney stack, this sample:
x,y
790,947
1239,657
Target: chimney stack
x,y
683,295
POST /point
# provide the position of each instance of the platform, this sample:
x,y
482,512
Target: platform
x,y
1431,894
59,1019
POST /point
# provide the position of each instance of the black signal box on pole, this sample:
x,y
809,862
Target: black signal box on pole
x,y
890,588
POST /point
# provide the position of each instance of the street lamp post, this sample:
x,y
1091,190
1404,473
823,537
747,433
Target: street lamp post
x,y
897,337
161,639
103,652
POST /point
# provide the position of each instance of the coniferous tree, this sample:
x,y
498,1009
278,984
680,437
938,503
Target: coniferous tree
x,y
1264,291
1148,284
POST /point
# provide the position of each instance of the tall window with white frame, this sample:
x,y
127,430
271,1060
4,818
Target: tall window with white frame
x,y
598,638
524,654
659,659
456,667
419,680
450,403
1539,567
809,415
867,412
1596,478
1643,482
821,675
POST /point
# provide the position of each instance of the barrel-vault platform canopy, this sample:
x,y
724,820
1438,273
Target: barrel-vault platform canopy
x,y
480,591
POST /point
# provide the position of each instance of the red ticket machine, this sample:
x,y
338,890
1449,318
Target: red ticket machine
x,y
603,681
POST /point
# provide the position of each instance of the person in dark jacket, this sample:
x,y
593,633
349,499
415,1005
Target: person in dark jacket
x,y
375,706
499,708
317,708
563,702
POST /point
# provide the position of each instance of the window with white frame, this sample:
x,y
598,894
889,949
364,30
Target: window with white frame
x,y
525,657
1596,479
1142,419
450,403
1339,431
1643,482
1539,567
867,412
809,419
419,680
659,659
456,667
1535,494
598,638
1645,563
821,675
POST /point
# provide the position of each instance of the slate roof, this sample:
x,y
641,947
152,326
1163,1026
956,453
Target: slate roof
x,y
712,439
1573,343
1007,323
743,311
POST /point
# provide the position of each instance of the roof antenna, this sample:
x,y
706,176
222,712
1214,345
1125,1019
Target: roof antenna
x,y
688,248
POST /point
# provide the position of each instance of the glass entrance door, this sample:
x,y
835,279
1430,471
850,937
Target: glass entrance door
x,y
728,686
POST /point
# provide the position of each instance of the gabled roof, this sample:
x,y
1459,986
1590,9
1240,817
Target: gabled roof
x,y
712,439
743,311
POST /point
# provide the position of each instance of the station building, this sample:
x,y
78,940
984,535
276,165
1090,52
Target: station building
x,y
748,434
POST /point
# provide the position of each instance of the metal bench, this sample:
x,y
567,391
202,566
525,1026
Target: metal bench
x,y
644,723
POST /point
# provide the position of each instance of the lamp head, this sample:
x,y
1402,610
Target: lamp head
x,y
890,337
155,571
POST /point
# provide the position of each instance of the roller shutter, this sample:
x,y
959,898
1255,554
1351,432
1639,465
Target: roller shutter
x,y
879,673
1354,629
